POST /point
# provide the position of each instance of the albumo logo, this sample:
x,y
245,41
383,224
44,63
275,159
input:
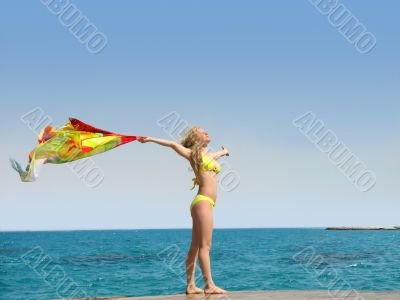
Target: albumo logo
x,y
79,25
347,24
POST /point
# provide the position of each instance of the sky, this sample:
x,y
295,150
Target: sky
x,y
244,71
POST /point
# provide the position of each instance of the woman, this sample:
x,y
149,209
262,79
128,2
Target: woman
x,y
193,147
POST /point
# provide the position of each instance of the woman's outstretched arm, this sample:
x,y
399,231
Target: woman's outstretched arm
x,y
218,154
181,150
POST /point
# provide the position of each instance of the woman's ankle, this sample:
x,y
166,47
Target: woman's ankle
x,y
209,284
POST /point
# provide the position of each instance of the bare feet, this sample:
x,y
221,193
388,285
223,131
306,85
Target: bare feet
x,y
213,289
191,289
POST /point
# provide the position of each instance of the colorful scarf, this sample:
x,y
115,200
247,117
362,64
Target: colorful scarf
x,y
75,140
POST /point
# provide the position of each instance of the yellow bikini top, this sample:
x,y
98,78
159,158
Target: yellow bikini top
x,y
207,165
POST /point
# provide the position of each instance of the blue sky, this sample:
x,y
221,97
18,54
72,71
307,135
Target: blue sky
x,y
243,71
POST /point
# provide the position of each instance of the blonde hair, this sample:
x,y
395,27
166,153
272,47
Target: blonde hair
x,y
191,140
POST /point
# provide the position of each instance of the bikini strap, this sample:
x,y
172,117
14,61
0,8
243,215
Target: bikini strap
x,y
195,181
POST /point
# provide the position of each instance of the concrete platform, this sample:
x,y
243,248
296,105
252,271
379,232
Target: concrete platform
x,y
274,295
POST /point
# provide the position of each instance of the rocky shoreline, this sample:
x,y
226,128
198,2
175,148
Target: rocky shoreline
x,y
362,228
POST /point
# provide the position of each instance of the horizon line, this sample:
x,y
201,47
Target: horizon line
x,y
172,228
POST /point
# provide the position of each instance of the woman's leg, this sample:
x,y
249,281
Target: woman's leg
x,y
202,214
191,259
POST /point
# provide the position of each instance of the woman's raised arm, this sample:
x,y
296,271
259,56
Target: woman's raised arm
x,y
217,154
181,150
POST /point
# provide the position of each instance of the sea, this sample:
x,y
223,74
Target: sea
x,y
72,264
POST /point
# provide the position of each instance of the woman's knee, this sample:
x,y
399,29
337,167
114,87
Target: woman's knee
x,y
205,245
194,247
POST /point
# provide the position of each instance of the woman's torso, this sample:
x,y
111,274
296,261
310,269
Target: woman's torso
x,y
207,179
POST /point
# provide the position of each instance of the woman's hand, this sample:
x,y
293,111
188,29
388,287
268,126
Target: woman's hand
x,y
226,151
143,139
219,153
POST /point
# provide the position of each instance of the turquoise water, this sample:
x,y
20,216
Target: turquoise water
x,y
48,265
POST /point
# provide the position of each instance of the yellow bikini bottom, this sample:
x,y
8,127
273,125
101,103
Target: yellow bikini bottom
x,y
200,197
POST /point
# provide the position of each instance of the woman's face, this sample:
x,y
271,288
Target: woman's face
x,y
203,136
